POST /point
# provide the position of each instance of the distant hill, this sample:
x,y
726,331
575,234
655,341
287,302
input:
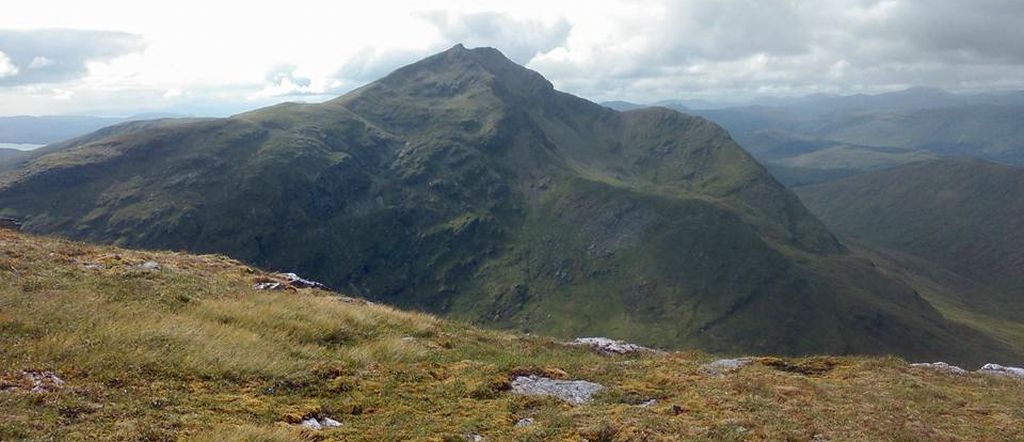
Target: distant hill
x,y
965,215
466,185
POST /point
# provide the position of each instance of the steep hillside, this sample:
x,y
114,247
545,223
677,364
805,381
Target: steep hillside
x,y
964,215
101,343
465,185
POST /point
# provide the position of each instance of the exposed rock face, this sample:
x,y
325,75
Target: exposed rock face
x,y
999,370
941,366
611,346
573,392
723,366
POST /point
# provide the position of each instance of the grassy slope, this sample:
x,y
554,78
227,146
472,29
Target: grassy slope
x,y
192,352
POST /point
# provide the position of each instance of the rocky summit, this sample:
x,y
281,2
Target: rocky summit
x,y
466,185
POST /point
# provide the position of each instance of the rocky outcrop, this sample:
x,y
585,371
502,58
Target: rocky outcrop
x,y
999,370
287,281
302,283
611,346
573,392
940,366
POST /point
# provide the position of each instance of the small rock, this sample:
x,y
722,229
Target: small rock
x,y
723,366
329,423
474,438
150,265
525,422
311,424
610,346
93,266
649,403
999,370
940,366
574,392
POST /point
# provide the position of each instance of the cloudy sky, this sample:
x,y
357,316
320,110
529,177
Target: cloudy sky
x,y
109,57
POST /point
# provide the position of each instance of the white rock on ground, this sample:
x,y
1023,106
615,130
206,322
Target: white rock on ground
x,y
649,403
271,285
610,346
474,438
524,422
574,392
301,283
999,370
314,424
940,366
723,366
150,265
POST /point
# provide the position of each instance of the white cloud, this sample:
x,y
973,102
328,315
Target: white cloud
x,y
7,69
600,49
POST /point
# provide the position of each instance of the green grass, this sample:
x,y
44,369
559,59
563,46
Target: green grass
x,y
191,352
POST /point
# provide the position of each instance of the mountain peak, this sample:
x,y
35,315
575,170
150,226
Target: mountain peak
x,y
460,67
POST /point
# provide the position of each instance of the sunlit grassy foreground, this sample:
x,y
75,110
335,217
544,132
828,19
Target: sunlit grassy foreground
x,y
190,351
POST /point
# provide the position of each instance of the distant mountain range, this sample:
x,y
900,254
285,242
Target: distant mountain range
x,y
466,185
817,138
